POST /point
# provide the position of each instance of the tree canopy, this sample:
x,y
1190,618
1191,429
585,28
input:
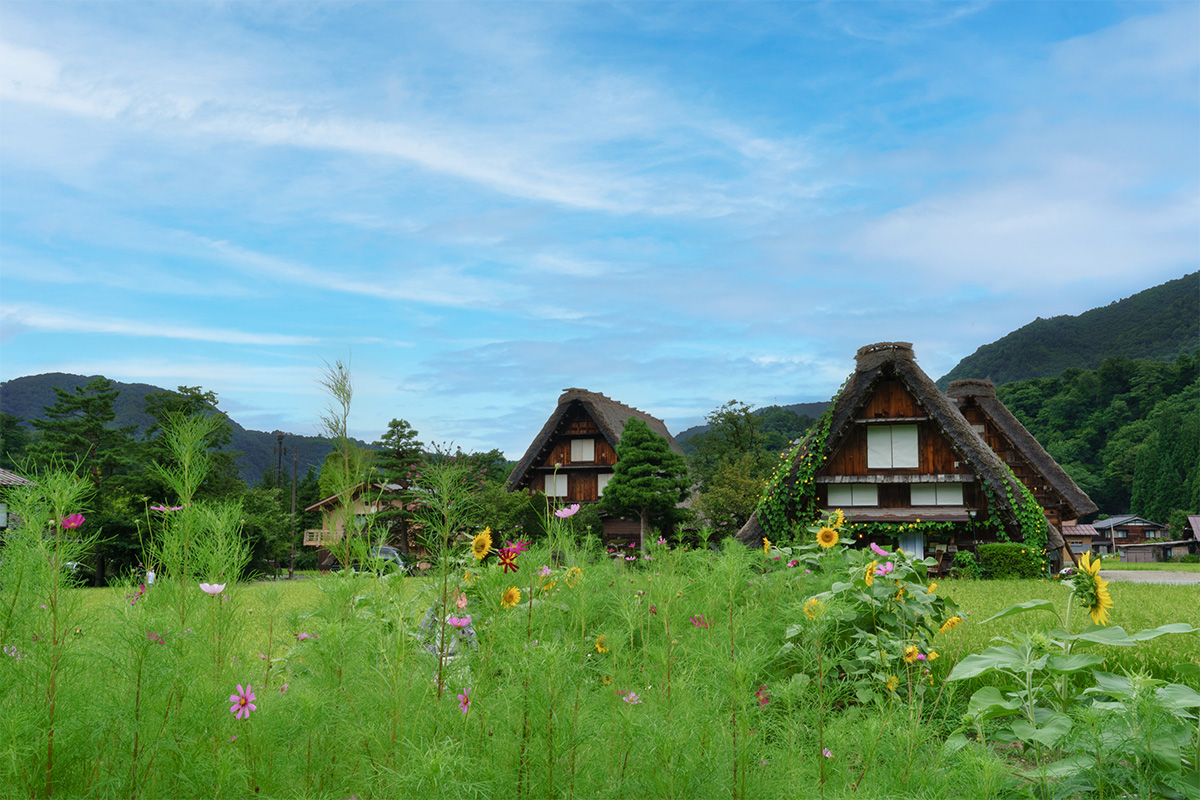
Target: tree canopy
x,y
649,478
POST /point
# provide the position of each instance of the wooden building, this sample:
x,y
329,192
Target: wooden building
x,y
366,499
1063,502
1117,532
571,459
899,451
8,479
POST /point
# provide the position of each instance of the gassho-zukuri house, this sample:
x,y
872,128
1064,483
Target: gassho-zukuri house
x,y
935,472
571,459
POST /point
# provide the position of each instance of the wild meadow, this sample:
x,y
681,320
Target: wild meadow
x,y
559,668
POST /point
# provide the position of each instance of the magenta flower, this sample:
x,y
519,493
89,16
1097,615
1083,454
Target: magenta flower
x,y
764,697
243,702
825,752
212,588
569,511
283,688
700,621
629,545
546,571
72,521
631,558
517,548
300,637
794,562
464,700
662,540
631,698
879,551
884,569
458,622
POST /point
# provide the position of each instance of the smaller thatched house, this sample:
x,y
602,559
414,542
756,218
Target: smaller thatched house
x,y
8,479
571,459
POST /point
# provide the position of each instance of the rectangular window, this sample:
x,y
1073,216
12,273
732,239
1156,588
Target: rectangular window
x,y
556,485
583,451
892,447
3,515
936,494
601,482
853,494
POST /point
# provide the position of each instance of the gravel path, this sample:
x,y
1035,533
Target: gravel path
x,y
1149,576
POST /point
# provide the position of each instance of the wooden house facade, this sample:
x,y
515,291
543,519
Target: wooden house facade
x,y
572,457
901,452
366,499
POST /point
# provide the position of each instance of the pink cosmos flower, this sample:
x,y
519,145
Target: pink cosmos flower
x,y
825,752
212,588
631,558
629,545
662,540
631,698
764,697
243,702
166,508
518,547
300,637
464,700
700,621
283,688
569,511
884,569
546,571
879,551
461,601
458,622
795,562
72,521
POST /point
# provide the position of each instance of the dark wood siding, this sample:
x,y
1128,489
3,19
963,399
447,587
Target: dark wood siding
x,y
582,487
891,399
936,456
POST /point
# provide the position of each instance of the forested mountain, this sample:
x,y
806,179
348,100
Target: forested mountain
x,y
1157,324
27,398
780,424
1128,433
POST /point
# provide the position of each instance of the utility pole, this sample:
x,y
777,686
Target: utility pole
x,y
292,562
279,462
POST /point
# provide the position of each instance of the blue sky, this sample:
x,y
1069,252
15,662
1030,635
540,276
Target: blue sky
x,y
479,205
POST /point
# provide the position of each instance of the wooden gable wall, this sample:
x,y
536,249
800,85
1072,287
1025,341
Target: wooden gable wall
x,y
582,477
892,401
1047,497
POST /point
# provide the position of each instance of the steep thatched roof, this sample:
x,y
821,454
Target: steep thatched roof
x,y
984,394
608,414
11,478
877,362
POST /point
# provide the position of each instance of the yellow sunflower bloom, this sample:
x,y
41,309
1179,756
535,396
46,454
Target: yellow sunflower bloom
x,y
950,624
511,596
932,588
602,644
481,545
766,546
892,683
933,655
572,577
869,574
1091,590
910,654
813,608
827,537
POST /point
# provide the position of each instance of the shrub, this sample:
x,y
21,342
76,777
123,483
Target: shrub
x,y
1190,558
1007,560
966,566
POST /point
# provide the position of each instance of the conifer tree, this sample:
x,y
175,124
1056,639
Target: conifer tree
x,y
648,478
398,465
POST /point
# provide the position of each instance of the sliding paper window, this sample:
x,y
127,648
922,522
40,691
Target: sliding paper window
x,y
556,485
892,447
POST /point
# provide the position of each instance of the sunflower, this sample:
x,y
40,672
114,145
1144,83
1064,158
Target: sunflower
x,y
838,519
813,608
602,644
892,683
827,537
573,576
911,653
766,546
1091,590
481,545
932,588
950,624
932,655
511,596
869,574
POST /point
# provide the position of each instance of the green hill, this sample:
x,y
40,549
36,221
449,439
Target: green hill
x,y
27,397
1157,324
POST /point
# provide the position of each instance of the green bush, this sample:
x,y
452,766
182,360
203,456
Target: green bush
x,y
1007,560
966,566
1190,558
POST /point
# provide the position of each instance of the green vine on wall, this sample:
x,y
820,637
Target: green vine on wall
x,y
1031,518
791,493
886,530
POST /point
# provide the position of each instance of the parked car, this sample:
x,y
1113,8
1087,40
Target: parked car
x,y
382,559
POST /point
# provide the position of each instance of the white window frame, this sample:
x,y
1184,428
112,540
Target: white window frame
x,y
935,494
602,481
893,447
583,451
556,486
853,494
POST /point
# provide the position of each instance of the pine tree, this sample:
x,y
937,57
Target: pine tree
x,y
76,432
398,466
648,478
